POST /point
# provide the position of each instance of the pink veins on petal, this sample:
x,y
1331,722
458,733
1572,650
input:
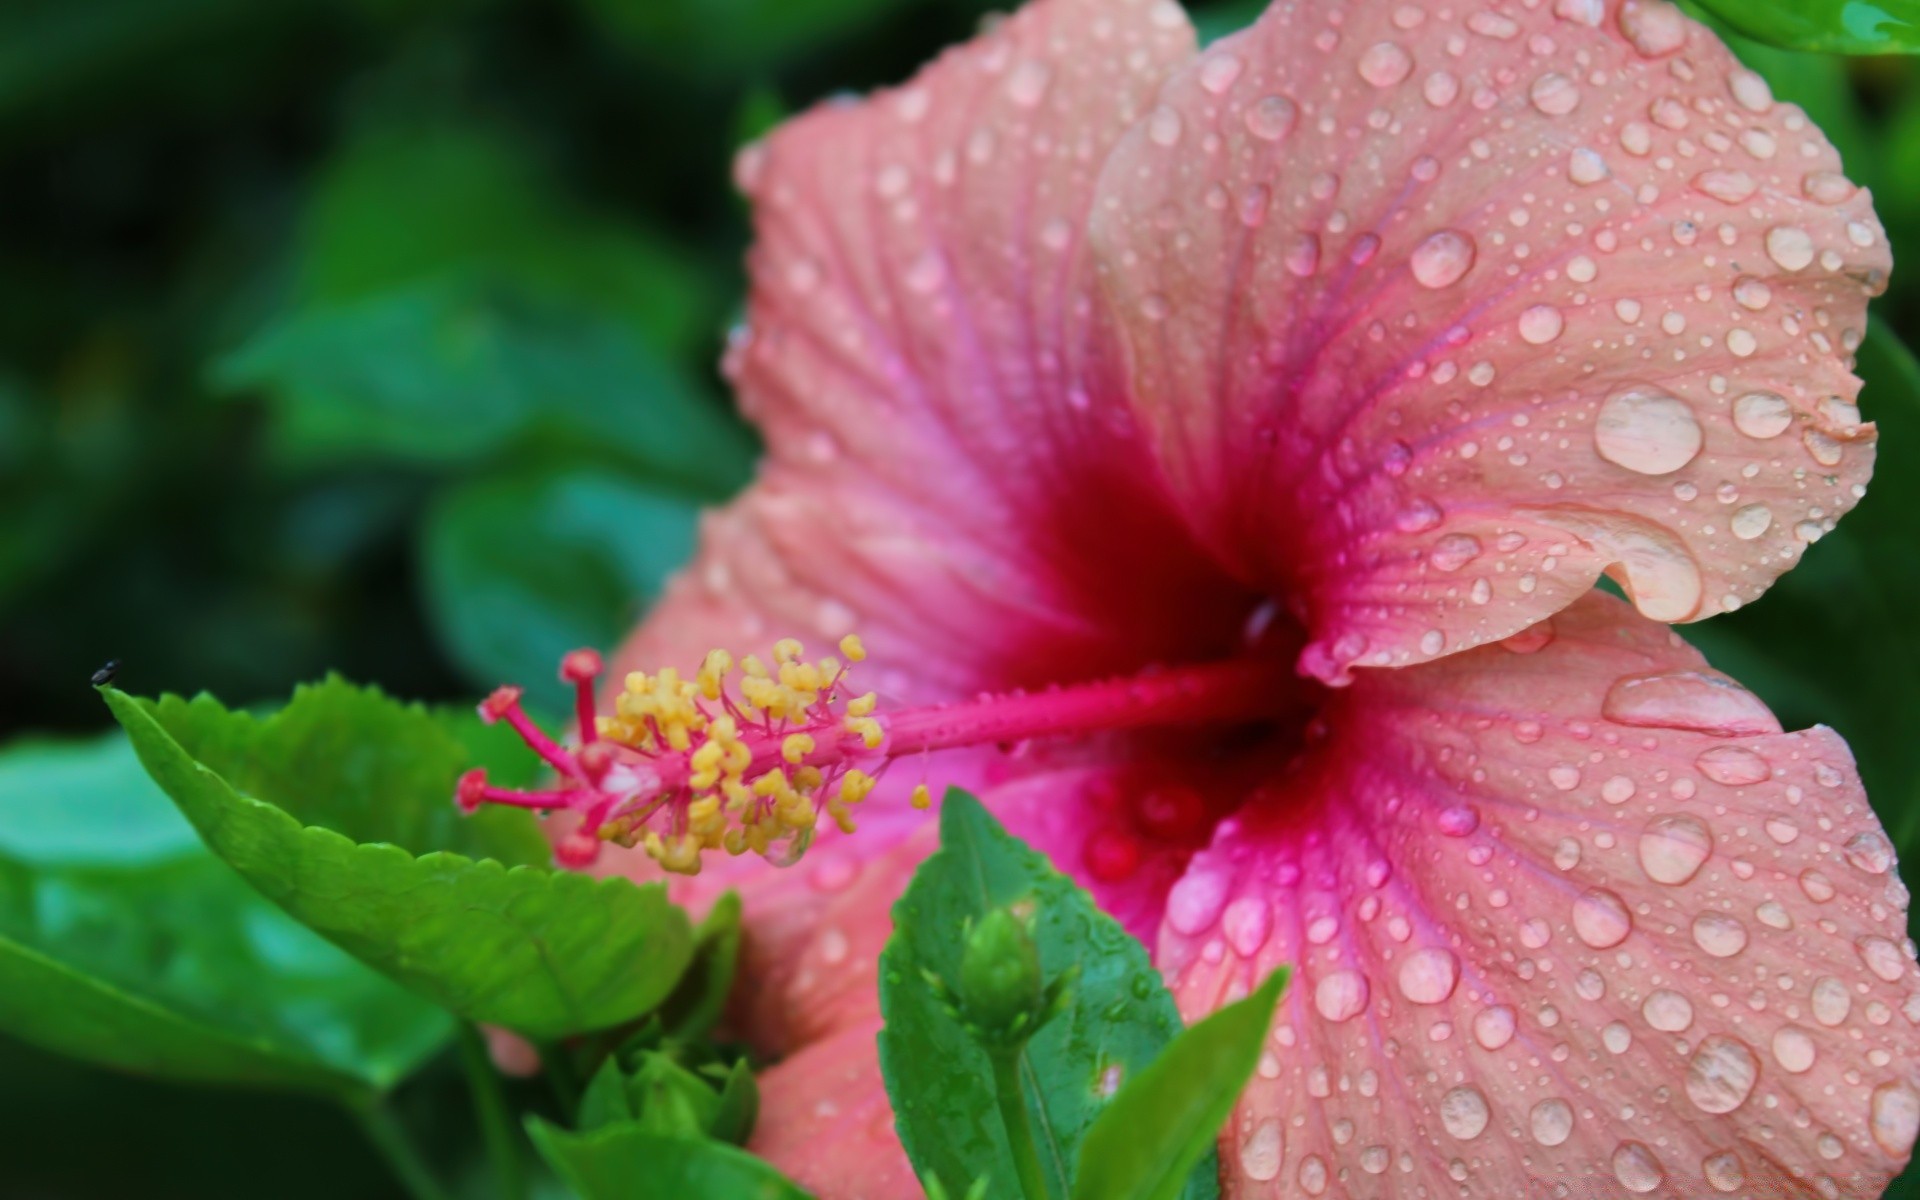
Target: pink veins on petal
x,y
1216,451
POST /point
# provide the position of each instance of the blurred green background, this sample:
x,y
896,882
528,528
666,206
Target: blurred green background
x,y
345,334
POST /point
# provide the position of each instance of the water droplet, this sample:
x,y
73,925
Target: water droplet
x,y
1247,923
1263,1151
1385,64
1429,976
1751,294
1723,1171
1220,72
1718,934
1762,414
1818,887
1541,324
1827,187
1554,94
1749,90
1563,776
1673,847
1733,766
1793,1049
1440,88
1790,246
1442,258
1551,1122
1667,1010
1493,1027
1635,1166
1341,996
1164,126
1871,852
1617,790
1750,521
1464,1112
1027,85
1701,701
1894,1117
1313,1175
1458,820
1728,187
1586,166
1418,517
1655,28
1616,1037
1601,919
1646,431
1454,551
1721,1074
1196,901
1882,957
1271,118
1831,1002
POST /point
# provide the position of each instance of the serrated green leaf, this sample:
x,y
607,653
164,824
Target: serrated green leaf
x,y
626,1162
542,952
521,569
1826,26
125,943
1144,1146
1119,1014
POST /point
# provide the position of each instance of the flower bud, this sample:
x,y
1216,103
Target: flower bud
x,y
1001,990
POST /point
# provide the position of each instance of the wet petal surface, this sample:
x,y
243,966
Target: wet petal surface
x,y
1567,909
1436,313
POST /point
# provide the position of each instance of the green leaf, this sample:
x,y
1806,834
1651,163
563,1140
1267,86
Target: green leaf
x,y
705,38
626,1162
1118,1015
542,952
416,199
1146,1143
521,569
1834,641
456,368
697,1004
1826,26
125,943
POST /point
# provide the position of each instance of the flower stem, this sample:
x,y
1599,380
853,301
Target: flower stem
x,y
1013,1115
490,1109
396,1146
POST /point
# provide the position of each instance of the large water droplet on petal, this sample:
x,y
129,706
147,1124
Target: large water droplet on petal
x,y
1702,701
1646,431
1721,1074
1428,976
1790,246
1719,935
1601,919
1636,1168
1263,1151
1494,1027
1464,1112
1733,766
1894,1116
1667,1010
1271,118
1551,1122
1341,996
1673,847
1385,64
1793,1049
1442,258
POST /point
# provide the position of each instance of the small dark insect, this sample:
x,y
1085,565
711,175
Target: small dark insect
x,y
105,674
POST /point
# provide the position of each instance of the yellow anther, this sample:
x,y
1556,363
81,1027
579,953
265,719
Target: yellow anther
x,y
861,706
807,779
922,796
787,650
856,785
851,647
796,746
868,730
752,665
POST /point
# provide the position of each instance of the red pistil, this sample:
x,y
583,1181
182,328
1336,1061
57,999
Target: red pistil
x,y
619,788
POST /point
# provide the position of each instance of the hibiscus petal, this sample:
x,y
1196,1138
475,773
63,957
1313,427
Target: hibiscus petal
x,y
930,481
1435,314
1566,911
917,353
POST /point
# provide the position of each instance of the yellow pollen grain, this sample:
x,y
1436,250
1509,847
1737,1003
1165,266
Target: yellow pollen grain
x,y
850,646
922,796
795,747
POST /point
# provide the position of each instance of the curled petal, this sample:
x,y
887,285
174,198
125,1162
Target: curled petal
x,y
1436,314
1564,910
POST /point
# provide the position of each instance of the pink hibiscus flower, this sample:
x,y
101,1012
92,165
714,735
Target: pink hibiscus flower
x,y
1230,442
